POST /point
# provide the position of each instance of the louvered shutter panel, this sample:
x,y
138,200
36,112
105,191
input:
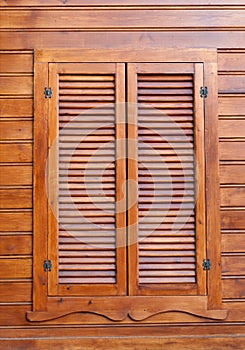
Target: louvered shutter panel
x,y
166,161
86,169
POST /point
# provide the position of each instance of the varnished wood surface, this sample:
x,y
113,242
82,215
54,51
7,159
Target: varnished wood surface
x,y
124,40
57,3
127,343
122,19
16,106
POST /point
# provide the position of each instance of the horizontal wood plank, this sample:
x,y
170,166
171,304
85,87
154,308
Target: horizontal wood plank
x,y
236,311
121,40
16,63
15,292
232,128
233,242
16,315
16,85
232,151
58,3
231,83
233,196
16,221
15,198
231,62
16,107
231,105
167,331
21,130
233,288
16,268
233,266
232,174
15,152
232,220
121,19
15,175
16,245
127,343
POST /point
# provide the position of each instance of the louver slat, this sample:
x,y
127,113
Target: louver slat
x,y
163,229
87,173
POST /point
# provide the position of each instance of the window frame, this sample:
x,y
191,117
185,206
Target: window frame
x,y
137,307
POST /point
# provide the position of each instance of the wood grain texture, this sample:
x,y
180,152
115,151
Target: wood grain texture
x,y
232,129
16,268
232,151
14,175
16,107
212,185
232,219
16,221
232,196
58,3
126,330
40,152
16,244
128,343
16,62
11,130
231,105
16,152
233,242
231,61
231,84
122,19
233,288
232,174
146,40
16,85
15,292
16,68
233,265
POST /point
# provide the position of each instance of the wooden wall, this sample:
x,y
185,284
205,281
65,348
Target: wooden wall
x,y
117,24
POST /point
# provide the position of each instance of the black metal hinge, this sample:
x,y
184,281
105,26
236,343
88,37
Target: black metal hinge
x,y
47,265
206,264
47,92
204,91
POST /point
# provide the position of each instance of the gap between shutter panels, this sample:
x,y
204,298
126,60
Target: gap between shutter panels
x,y
86,111
166,183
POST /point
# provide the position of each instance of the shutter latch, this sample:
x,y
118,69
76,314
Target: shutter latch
x,y
206,264
203,91
47,92
47,265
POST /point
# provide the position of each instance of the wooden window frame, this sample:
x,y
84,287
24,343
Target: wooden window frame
x,y
117,308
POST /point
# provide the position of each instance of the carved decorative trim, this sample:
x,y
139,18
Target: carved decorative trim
x,y
119,308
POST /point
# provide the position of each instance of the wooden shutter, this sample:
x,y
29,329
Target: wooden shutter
x,y
86,172
79,135
166,164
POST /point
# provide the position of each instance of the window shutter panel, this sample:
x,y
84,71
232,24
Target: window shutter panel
x,y
85,169
169,221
